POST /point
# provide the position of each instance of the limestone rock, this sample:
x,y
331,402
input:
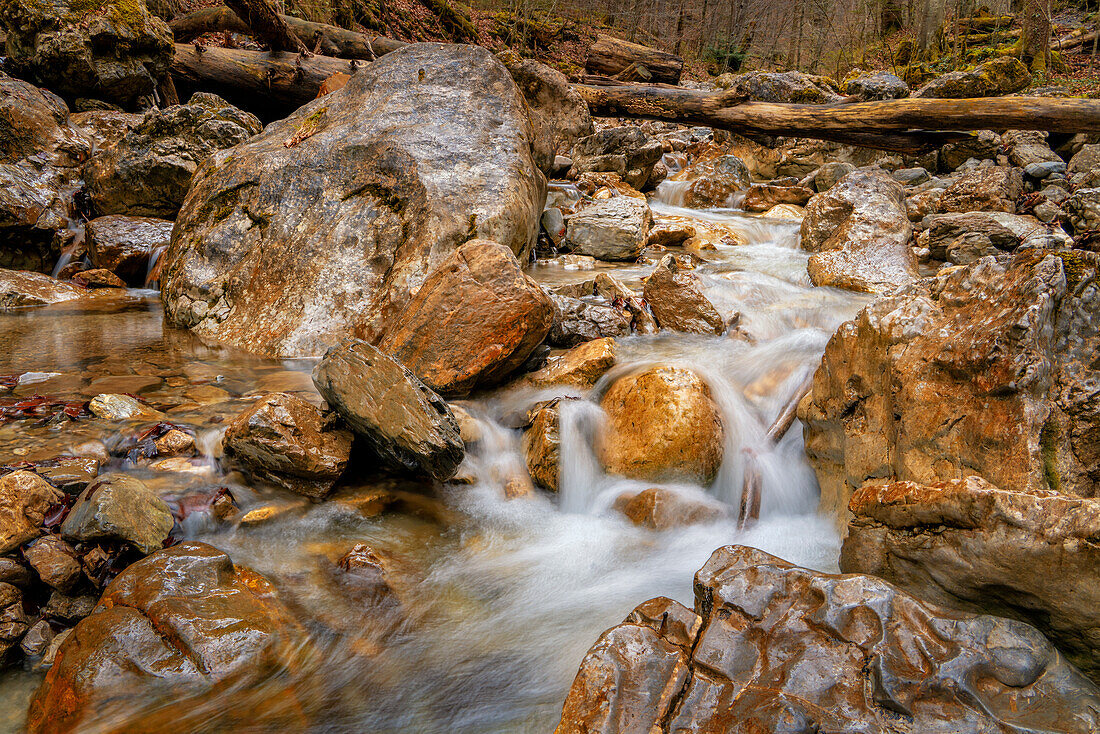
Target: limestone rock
x,y
148,172
663,425
714,181
994,188
170,632
829,174
776,648
581,366
762,197
400,417
21,288
24,499
1030,555
676,297
111,406
98,278
577,321
877,86
610,229
1083,209
475,320
658,508
104,128
984,145
1027,147
286,440
110,49
125,245
859,233
1004,231
55,562
1084,166
542,444
984,369
1002,75
326,224
628,151
119,507
788,86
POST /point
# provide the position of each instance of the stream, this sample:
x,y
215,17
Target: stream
x,y
500,599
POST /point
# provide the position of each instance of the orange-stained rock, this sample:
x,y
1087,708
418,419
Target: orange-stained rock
x,y
475,320
125,245
657,508
776,648
542,443
174,633
581,366
24,499
992,189
859,233
98,278
1033,555
985,369
675,295
762,197
288,441
662,425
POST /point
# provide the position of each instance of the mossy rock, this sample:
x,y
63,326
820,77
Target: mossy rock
x,y
1002,75
115,50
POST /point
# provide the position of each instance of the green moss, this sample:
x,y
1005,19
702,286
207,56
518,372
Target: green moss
x,y
1076,265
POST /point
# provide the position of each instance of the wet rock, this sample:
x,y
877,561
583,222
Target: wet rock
x,y
670,234
1004,231
829,174
174,443
581,366
542,443
119,507
663,425
55,561
402,419
14,573
559,115
1044,169
676,296
67,473
995,188
184,620
1083,209
762,197
104,128
125,245
286,440
24,500
475,320
610,229
859,233
114,407
1028,147
14,622
662,509
983,369
996,77
38,639
21,288
148,172
68,608
715,181
326,224
785,649
787,86
965,544
628,151
577,321
41,157
98,278
880,85
111,49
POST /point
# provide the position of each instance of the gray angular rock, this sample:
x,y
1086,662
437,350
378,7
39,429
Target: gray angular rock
x,y
1002,75
787,86
628,151
148,171
327,223
577,321
610,229
880,85
119,507
402,419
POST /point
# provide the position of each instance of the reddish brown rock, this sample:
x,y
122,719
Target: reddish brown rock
x,y
19,288
662,425
988,189
542,443
172,631
985,369
675,295
776,648
581,366
288,441
661,509
1030,555
24,499
55,561
475,320
98,278
762,197
125,245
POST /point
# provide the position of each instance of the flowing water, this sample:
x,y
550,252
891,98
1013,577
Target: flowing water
x,y
499,599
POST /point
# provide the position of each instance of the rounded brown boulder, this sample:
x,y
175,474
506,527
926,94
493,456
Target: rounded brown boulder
x,y
663,425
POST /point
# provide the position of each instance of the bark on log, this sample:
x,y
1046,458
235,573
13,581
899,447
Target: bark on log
x,y
903,125
267,25
322,38
287,78
610,56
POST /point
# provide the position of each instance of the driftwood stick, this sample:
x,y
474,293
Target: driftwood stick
x,y
749,511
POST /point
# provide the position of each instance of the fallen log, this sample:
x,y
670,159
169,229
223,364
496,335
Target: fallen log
x,y
903,125
321,38
610,56
287,78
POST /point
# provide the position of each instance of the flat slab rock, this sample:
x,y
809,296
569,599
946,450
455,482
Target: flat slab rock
x,y
771,647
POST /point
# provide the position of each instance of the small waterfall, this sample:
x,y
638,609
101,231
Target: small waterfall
x,y
152,273
580,476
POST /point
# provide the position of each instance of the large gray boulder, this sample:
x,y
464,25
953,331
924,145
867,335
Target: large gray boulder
x,y
771,647
148,172
41,157
327,223
1002,75
108,49
628,151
